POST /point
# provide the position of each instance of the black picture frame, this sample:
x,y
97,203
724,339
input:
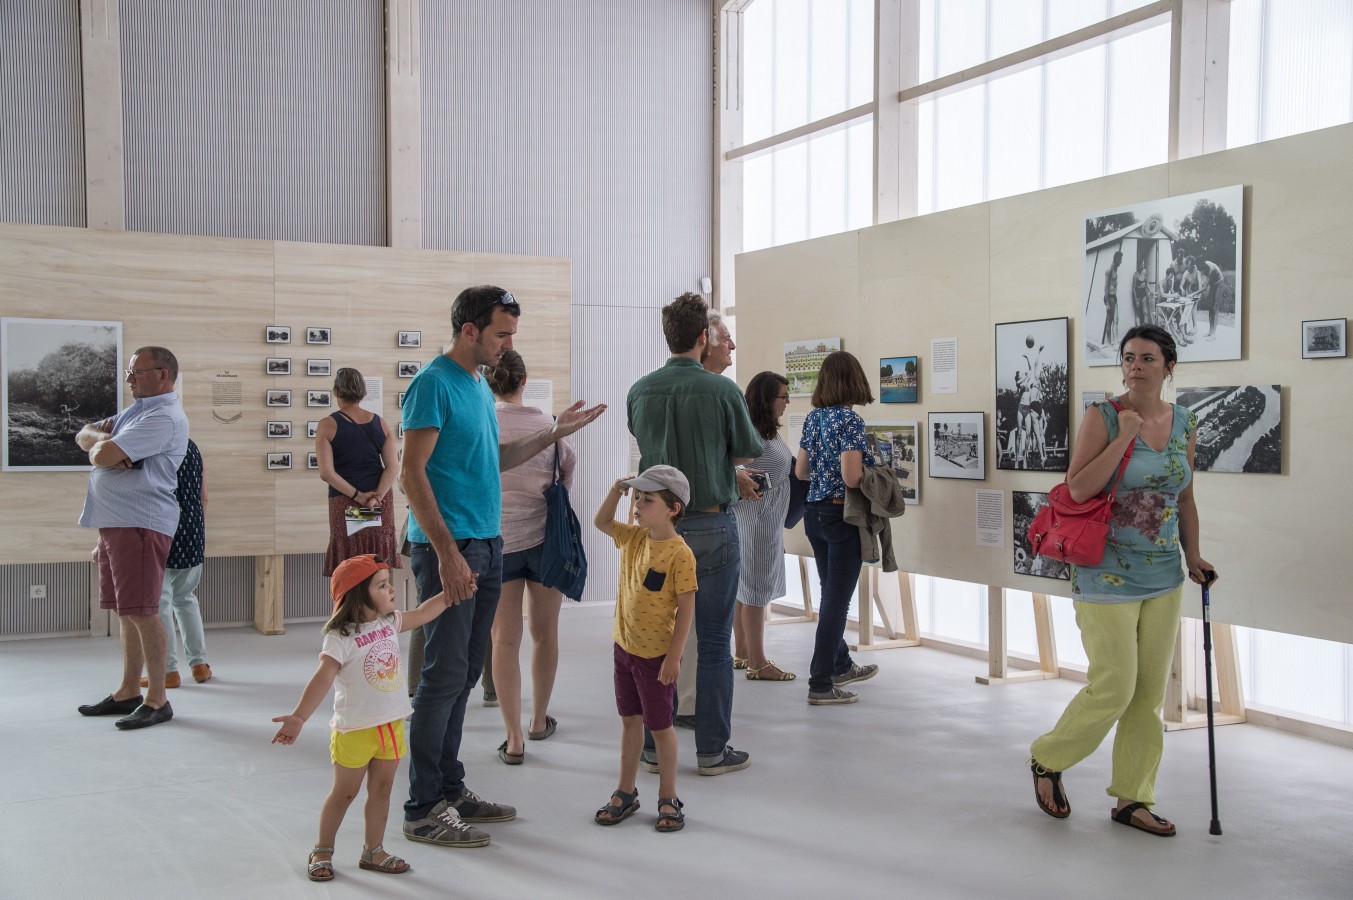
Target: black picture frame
x,y
1324,339
1033,391
958,445
900,379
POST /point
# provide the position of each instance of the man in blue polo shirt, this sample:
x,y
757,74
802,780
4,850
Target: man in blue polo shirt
x,y
693,420
136,456
450,475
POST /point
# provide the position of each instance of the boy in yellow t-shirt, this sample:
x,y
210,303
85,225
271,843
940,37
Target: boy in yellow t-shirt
x,y
654,607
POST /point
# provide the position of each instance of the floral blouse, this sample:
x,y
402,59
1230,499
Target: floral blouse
x,y
1142,558
827,433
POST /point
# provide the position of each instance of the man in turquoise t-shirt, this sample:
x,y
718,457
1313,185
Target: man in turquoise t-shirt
x,y
450,474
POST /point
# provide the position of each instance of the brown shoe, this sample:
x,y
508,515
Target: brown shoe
x,y
201,673
171,680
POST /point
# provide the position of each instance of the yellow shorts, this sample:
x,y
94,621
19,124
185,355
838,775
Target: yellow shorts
x,y
354,749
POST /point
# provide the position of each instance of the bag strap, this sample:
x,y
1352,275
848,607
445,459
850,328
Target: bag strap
x,y
1127,457
365,433
556,463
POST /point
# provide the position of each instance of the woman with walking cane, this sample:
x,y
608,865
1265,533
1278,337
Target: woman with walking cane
x,y
1127,607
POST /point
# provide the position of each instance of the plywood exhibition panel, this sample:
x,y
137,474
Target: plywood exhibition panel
x,y
210,300
1274,538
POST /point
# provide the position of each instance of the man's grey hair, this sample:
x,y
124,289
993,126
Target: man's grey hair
x,y
715,320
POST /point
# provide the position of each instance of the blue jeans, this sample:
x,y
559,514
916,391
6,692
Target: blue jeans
x,y
836,551
178,601
713,538
453,656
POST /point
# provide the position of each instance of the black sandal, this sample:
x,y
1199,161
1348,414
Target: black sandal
x,y
618,812
1061,808
1124,817
677,819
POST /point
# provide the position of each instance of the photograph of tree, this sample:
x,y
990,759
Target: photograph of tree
x,y
58,375
899,379
1033,413
1172,263
1239,428
1025,505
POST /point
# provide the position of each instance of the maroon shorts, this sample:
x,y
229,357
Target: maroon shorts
x,y
639,692
131,570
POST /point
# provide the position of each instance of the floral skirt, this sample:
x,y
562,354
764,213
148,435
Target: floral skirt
x,y
378,539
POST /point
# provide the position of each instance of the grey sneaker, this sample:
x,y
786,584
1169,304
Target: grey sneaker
x,y
473,808
648,765
834,696
732,761
856,673
445,827
684,721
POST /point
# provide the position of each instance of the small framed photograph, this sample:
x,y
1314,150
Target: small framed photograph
x,y
408,369
312,460
399,399
277,398
958,445
898,449
317,367
278,365
277,334
279,460
899,379
279,429
317,334
1324,338
319,398
312,429
1025,505
409,339
399,431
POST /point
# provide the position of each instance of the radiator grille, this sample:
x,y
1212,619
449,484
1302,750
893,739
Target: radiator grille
x,y
305,589
65,609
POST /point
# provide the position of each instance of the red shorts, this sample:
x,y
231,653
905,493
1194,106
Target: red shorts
x,y
639,692
131,570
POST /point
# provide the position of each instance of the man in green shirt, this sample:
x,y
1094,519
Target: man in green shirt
x,y
697,422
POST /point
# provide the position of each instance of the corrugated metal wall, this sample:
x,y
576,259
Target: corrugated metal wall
x,y
42,142
583,130
255,119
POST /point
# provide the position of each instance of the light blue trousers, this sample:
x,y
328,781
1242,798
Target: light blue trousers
x,y
178,603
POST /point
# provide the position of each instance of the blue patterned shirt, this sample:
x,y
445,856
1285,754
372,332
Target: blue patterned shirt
x,y
190,541
827,433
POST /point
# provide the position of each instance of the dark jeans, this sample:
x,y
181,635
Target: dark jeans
x,y
713,538
836,551
453,656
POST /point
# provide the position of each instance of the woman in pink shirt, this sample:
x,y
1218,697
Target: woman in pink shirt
x,y
523,532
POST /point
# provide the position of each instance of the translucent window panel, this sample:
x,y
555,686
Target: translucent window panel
x,y
1073,125
804,60
1291,68
951,609
959,148
1137,117
1015,123
1301,674
957,34
1021,635
809,189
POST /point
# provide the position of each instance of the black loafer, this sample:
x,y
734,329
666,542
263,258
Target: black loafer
x,y
110,707
145,716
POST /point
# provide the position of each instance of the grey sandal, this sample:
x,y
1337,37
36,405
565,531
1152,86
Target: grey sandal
x,y
676,819
320,870
618,812
391,865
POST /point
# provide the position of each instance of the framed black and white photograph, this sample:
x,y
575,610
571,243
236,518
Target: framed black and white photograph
x,y
899,449
317,334
319,398
56,375
409,339
1324,338
279,429
312,460
279,460
958,445
899,379
277,398
399,431
1033,412
1239,427
317,367
312,428
277,334
408,369
1171,262
1025,505
399,399
278,365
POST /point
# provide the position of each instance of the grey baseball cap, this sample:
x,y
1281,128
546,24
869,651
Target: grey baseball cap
x,y
663,478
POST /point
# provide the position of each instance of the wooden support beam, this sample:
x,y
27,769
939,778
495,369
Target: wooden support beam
x,y
998,658
871,599
808,614
268,603
101,88
403,128
1185,708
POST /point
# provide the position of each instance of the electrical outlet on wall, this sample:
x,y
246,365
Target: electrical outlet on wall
x,y
37,592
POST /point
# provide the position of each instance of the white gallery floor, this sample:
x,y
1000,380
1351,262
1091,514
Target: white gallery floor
x,y
919,790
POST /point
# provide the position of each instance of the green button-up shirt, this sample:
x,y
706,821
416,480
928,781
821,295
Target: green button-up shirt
x,y
696,421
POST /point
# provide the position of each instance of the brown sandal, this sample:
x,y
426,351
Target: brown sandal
x,y
391,865
754,673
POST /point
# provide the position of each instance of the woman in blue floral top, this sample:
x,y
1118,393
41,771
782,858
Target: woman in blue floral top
x,y
832,455
1127,607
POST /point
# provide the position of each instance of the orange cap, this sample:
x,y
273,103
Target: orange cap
x,y
352,572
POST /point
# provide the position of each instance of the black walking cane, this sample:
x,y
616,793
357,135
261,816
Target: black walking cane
x,y
1210,577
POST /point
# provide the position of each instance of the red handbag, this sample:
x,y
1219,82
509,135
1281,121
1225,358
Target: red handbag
x,y
1076,532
